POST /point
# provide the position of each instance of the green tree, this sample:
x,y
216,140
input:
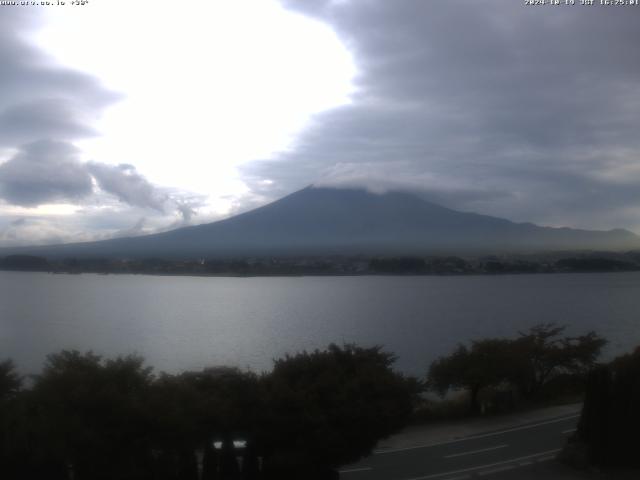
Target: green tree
x,y
90,415
486,363
527,363
542,354
328,408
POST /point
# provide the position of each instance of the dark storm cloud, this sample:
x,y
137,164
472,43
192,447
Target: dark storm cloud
x,y
44,172
493,106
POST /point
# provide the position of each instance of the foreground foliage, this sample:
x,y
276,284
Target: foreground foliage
x,y
525,365
85,417
610,418
330,408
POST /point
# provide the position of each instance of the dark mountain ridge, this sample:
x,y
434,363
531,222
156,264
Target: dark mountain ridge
x,y
328,221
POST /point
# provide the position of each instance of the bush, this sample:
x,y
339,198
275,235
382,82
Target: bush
x,y
610,418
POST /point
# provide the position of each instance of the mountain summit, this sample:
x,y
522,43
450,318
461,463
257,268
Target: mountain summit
x,y
325,221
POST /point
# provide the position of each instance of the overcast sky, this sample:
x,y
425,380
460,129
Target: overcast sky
x,y
121,118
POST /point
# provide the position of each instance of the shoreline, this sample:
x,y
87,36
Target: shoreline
x,y
333,274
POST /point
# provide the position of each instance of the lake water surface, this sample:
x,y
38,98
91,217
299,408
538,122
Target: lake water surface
x,y
191,322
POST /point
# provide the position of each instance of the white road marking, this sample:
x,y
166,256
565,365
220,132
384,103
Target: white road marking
x,y
354,470
545,459
497,470
474,437
571,430
475,451
490,465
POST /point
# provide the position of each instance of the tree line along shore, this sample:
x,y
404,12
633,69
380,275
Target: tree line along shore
x,y
335,265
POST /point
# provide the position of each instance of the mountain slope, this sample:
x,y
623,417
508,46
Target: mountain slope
x,y
321,221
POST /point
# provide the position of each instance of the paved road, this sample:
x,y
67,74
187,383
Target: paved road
x,y
471,457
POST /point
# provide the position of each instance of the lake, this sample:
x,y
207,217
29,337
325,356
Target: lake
x,y
180,323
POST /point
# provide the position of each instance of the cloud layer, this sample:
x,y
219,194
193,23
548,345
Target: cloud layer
x,y
44,109
128,185
49,172
528,113
44,172
40,100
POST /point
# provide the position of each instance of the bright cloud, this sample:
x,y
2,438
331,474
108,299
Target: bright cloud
x,y
145,109
209,85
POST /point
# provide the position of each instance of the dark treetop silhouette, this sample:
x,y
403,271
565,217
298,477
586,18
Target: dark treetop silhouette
x,y
89,418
